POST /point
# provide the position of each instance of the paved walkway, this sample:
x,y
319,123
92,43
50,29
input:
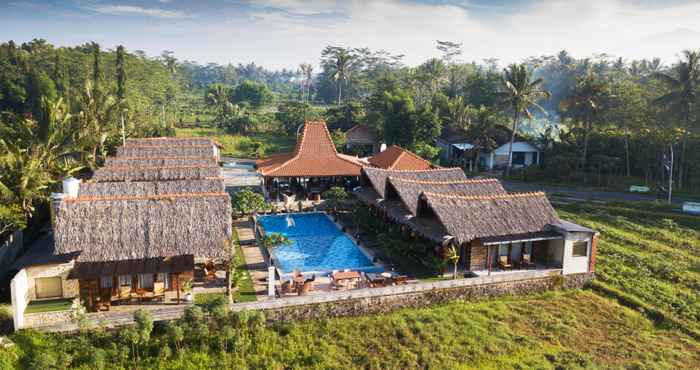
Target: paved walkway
x,y
254,257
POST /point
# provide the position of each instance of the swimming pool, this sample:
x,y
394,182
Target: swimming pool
x,y
318,245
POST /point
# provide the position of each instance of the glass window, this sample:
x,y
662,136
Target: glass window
x,y
164,278
105,281
125,280
580,249
48,287
146,281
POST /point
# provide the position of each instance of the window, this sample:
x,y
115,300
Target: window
x,y
105,282
580,249
164,278
146,281
518,158
49,287
124,280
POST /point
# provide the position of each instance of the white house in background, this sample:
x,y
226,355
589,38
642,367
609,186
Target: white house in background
x,y
524,155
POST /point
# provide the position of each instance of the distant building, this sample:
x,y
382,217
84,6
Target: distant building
x,y
524,155
361,138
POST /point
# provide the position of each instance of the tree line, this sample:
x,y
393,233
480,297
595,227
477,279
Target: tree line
x,y
64,109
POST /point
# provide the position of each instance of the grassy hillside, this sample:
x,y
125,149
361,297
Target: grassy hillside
x,y
648,260
648,251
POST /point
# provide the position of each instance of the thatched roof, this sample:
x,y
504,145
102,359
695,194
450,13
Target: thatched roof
x,y
150,151
148,188
128,227
377,177
397,158
475,217
159,162
156,173
409,190
314,156
171,141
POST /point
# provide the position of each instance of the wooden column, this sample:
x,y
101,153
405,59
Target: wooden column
x,y
227,266
488,258
177,285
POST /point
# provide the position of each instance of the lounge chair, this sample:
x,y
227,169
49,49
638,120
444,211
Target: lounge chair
x,y
124,294
159,291
400,280
527,261
503,263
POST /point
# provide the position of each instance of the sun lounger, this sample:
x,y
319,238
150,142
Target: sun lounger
x,y
159,291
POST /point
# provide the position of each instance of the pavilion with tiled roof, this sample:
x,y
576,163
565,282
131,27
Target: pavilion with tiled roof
x,y
397,158
314,157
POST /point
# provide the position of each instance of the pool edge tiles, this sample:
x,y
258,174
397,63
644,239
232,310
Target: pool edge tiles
x,y
319,245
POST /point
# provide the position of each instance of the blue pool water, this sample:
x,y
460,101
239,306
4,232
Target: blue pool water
x,y
317,244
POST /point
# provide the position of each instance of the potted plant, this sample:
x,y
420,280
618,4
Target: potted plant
x,y
186,287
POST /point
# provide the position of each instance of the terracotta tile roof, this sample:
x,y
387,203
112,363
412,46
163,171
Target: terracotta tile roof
x,y
397,158
314,156
360,134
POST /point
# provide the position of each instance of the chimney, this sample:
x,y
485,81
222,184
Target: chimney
x,y
71,186
382,147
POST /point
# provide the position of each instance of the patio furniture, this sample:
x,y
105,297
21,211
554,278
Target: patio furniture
x,y
346,278
159,291
104,300
140,293
286,287
527,261
306,287
210,271
124,294
400,279
503,263
375,280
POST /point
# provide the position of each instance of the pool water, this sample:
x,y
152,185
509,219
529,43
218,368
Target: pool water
x,y
318,245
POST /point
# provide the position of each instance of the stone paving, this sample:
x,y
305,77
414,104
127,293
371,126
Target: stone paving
x,y
254,257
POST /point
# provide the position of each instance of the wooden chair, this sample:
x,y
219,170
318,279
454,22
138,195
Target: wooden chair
x,y
159,291
527,261
503,263
286,287
401,280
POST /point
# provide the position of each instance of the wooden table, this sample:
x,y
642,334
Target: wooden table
x,y
344,277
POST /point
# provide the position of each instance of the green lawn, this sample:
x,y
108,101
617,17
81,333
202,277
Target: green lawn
x,y
242,146
49,306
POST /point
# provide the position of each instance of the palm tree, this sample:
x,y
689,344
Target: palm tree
x,y
97,111
682,96
343,61
520,95
434,71
306,70
485,132
584,102
452,255
217,96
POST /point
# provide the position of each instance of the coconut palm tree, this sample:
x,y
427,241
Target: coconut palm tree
x,y
520,94
97,112
217,97
306,70
585,102
683,95
342,66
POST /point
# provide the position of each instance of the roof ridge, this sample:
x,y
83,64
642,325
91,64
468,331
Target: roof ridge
x,y
398,158
426,170
160,146
414,155
487,197
433,182
143,197
156,158
124,168
92,181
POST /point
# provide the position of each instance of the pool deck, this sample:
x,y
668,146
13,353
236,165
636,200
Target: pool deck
x,y
253,256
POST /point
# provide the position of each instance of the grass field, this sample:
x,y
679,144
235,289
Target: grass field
x,y
648,251
242,146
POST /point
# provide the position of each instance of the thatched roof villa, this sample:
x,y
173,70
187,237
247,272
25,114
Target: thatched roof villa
x,y
492,230
138,226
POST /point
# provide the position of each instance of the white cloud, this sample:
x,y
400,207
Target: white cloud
x,y
137,10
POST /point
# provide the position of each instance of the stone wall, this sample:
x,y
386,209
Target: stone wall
x,y
37,320
388,303
69,286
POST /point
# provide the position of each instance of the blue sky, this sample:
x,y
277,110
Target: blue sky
x,y
284,33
